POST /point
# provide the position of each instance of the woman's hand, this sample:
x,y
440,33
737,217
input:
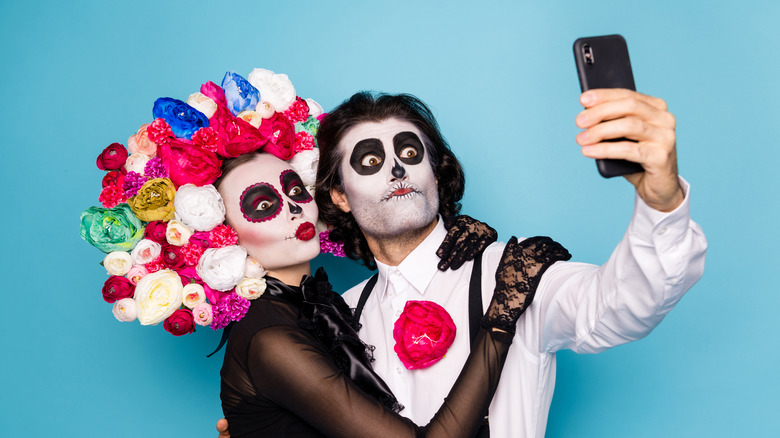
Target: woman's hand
x,y
466,237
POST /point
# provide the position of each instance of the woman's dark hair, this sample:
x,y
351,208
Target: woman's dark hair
x,y
366,107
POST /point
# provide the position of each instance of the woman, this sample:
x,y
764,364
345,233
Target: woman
x,y
293,365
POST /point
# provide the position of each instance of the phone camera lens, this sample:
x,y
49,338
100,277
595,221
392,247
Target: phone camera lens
x,y
587,53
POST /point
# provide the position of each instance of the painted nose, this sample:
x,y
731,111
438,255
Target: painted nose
x,y
398,171
295,208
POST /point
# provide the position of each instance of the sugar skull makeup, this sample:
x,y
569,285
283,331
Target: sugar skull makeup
x,y
388,182
271,211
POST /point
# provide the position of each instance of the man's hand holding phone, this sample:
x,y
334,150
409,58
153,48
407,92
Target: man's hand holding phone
x,y
616,113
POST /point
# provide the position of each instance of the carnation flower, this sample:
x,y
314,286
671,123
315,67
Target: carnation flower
x,y
232,308
298,111
155,265
192,254
159,131
222,268
222,235
303,142
330,246
111,196
125,310
207,138
132,183
118,262
158,295
200,208
154,169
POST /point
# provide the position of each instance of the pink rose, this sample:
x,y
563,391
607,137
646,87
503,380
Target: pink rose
x,y
136,273
180,323
113,157
202,314
139,143
422,334
189,164
116,288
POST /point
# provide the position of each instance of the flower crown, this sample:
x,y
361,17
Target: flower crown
x,y
169,256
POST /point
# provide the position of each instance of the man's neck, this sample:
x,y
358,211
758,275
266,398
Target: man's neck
x,y
393,250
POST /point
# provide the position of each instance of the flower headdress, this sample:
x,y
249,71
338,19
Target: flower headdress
x,y
169,256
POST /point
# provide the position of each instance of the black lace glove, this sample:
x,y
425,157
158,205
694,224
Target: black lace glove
x,y
466,237
517,278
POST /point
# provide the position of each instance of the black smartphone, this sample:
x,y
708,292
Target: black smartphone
x,y
602,62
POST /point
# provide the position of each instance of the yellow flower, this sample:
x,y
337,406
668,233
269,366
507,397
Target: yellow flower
x,y
154,202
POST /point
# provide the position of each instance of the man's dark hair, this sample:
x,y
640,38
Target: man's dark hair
x,y
376,107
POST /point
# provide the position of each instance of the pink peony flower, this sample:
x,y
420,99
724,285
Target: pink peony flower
x,y
422,334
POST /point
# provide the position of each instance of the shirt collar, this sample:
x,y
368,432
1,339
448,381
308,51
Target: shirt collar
x,y
419,267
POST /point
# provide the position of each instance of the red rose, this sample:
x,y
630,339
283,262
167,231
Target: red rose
x,y
155,231
282,139
116,288
172,258
189,164
422,334
113,157
180,323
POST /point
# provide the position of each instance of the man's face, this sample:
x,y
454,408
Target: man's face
x,y
271,211
388,180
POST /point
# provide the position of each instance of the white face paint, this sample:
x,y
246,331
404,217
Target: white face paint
x,y
388,179
271,211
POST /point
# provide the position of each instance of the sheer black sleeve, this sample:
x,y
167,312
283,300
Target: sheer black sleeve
x,y
289,367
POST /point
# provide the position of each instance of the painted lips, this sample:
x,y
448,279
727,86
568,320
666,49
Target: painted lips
x,y
305,231
402,191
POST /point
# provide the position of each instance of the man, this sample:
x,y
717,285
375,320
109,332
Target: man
x,y
387,178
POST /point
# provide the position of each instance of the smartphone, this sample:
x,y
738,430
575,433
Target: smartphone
x,y
602,62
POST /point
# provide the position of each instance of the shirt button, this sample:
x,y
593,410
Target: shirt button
x,y
399,369
662,231
397,273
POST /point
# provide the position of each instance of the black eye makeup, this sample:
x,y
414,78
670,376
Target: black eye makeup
x,y
367,157
260,202
408,147
293,187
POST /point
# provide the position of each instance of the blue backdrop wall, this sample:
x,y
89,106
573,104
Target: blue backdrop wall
x,y
500,76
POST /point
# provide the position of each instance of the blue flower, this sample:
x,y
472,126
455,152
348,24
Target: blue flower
x,y
183,119
240,94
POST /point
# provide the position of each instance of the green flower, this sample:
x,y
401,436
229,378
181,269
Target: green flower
x,y
111,229
311,125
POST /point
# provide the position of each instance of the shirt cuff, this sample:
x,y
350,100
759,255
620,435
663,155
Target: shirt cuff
x,y
662,228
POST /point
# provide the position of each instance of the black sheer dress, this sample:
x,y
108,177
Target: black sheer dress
x,y
295,367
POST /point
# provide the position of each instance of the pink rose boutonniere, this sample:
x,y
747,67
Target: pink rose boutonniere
x,y
423,334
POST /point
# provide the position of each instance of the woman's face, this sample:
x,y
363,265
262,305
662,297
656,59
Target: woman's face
x,y
271,211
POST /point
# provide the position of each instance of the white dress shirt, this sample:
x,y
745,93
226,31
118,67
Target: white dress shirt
x,y
578,306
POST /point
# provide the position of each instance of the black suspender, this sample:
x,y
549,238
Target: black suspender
x,y
364,296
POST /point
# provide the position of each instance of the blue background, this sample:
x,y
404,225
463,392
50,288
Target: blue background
x,y
500,76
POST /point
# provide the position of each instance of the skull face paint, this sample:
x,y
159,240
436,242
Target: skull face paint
x,y
388,183
271,211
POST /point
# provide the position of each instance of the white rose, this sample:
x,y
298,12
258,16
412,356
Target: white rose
x,y
275,89
193,294
125,310
136,163
250,288
200,208
222,268
145,251
315,109
251,117
265,109
177,233
253,268
158,295
202,103
305,164
118,262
